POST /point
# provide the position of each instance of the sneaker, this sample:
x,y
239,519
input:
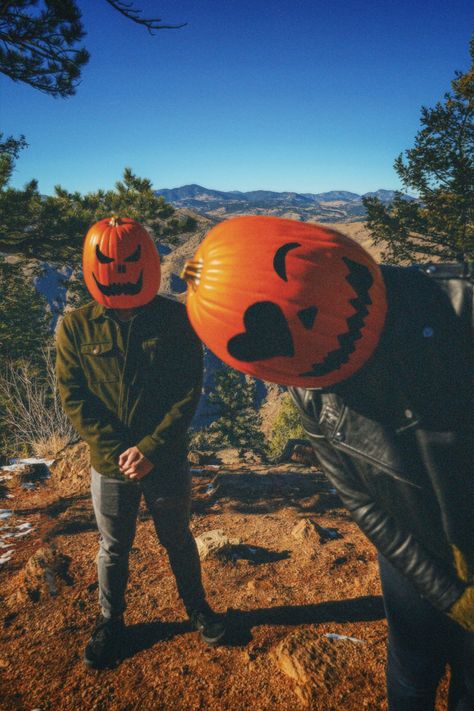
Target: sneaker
x,y
105,647
210,625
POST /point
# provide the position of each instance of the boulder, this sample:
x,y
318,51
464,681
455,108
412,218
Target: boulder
x,y
309,531
299,451
197,456
315,663
229,456
216,544
44,575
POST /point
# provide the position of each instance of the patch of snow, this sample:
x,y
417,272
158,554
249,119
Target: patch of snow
x,y
52,284
20,534
5,513
5,557
31,460
333,635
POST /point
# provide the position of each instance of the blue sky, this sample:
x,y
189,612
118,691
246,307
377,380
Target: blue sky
x,y
301,95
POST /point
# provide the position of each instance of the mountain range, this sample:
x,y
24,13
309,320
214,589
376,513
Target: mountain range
x,y
331,206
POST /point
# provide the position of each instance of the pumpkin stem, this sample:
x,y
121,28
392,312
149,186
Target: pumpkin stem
x,y
114,221
192,272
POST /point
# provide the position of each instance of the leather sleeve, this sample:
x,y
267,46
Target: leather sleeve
x,y
431,576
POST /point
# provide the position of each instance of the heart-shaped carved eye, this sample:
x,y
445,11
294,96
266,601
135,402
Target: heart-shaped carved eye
x,y
266,334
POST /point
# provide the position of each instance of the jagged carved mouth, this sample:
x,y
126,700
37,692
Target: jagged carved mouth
x,y
267,333
361,280
120,289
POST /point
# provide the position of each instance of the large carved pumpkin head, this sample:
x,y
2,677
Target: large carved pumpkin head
x,y
285,301
121,263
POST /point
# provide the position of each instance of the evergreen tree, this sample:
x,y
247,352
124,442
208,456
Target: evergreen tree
x,y
52,228
440,168
24,318
237,422
40,41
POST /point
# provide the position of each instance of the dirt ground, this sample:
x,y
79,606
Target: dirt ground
x,y
302,580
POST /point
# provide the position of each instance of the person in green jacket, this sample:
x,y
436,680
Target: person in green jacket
x,y
129,372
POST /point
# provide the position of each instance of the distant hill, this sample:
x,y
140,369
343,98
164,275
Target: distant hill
x,y
332,206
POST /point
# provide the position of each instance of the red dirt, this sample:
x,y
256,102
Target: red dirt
x,y
281,603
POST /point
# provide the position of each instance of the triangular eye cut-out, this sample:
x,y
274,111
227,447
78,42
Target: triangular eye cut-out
x,y
103,258
135,256
307,316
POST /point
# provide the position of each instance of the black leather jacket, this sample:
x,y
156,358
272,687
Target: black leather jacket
x,y
397,439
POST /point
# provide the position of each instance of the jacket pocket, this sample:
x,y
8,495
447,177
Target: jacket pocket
x,y
100,362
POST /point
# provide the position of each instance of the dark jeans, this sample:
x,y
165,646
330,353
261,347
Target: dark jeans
x,y
116,505
421,642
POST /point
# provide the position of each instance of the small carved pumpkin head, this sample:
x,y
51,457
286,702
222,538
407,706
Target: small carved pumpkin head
x,y
121,263
286,301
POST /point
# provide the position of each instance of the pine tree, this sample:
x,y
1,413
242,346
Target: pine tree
x,y
24,317
237,422
40,41
440,169
53,228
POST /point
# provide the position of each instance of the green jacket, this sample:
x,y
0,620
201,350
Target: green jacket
x,y
140,393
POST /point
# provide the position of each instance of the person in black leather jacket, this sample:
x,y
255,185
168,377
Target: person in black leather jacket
x,y
397,441
387,402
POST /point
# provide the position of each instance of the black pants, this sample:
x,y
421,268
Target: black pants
x,y
421,642
116,505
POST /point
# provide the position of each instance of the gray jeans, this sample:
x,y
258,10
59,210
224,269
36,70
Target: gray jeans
x,y
116,505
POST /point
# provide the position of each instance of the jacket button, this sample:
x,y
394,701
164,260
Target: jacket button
x,y
339,436
95,350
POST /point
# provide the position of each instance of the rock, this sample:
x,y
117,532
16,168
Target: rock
x,y
229,456
316,663
44,575
71,471
216,544
304,454
305,530
196,456
308,530
251,457
299,451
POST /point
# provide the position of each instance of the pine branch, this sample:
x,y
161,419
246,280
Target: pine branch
x,y
134,14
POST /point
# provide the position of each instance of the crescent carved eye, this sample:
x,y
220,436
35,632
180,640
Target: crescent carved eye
x,y
279,263
135,256
103,259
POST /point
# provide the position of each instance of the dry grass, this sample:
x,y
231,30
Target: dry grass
x,y
34,418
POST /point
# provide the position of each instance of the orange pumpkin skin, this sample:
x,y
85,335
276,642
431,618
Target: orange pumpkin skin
x,y
121,264
289,302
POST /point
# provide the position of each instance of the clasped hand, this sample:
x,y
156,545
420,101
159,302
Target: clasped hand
x,y
133,464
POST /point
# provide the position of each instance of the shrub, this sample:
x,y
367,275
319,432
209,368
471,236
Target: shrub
x,y
33,421
287,425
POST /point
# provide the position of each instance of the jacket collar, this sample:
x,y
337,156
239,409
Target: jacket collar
x,y
99,311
